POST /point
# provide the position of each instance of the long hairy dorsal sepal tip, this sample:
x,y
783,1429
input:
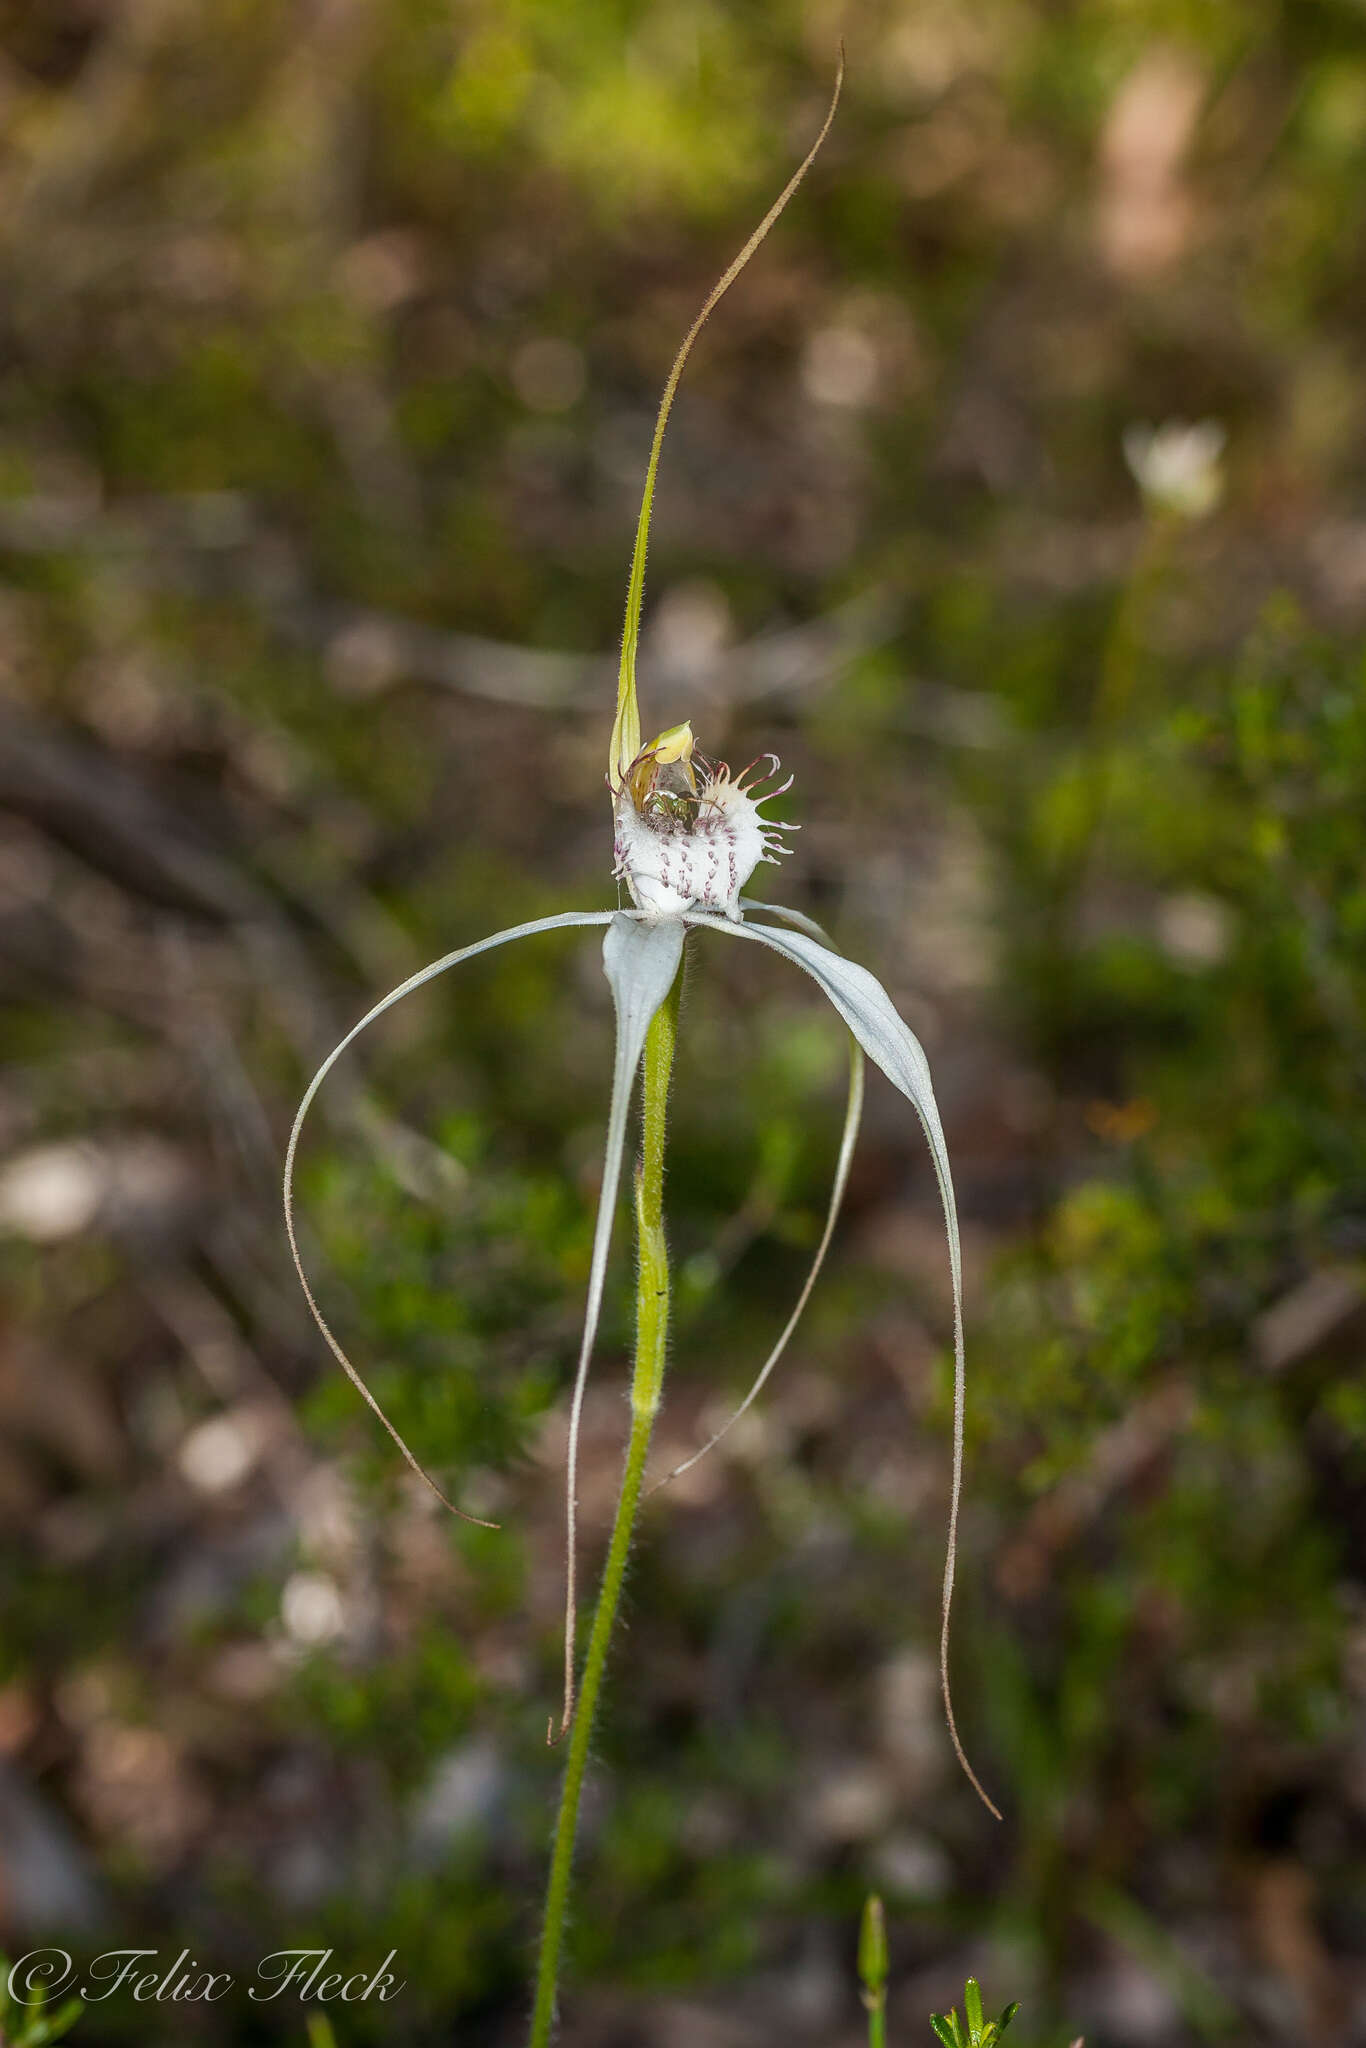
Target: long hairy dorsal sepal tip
x,y
559,922
625,743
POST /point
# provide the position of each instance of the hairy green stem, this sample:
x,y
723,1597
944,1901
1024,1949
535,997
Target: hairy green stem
x,y
647,1379
872,1968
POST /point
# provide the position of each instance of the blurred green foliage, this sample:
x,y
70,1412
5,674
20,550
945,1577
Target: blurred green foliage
x,y
331,336
35,2024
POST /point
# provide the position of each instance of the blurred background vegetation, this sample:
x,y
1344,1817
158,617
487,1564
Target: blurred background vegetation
x,y
330,337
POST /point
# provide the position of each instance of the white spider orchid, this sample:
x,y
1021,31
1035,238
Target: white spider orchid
x,y
687,837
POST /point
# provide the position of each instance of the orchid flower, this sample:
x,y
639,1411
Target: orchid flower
x,y
688,836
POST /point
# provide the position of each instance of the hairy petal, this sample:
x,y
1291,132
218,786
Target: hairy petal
x,y
890,1043
798,919
852,1116
640,961
414,981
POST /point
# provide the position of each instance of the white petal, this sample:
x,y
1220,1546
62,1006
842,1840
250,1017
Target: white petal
x,y
798,919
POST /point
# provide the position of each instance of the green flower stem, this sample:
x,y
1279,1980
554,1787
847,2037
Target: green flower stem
x,y
647,1379
872,1969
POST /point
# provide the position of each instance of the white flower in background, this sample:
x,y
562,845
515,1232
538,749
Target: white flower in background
x,y
685,847
312,1609
219,1452
1177,465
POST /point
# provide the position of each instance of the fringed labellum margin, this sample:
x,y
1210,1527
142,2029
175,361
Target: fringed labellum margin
x,y
687,844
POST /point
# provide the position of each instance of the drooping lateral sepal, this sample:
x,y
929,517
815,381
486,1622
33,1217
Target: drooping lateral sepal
x,y
853,1115
889,1042
641,961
